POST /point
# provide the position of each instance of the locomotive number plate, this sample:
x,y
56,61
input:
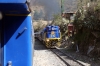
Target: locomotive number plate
x,y
52,32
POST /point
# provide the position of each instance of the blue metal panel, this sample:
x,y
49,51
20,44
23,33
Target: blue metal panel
x,y
55,29
12,1
17,40
13,8
56,35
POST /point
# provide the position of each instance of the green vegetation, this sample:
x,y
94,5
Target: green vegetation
x,y
87,25
38,26
57,20
61,22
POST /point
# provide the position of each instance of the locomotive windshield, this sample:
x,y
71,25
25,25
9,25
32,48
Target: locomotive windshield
x,y
53,28
53,32
50,28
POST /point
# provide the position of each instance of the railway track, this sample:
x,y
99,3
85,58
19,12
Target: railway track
x,y
69,61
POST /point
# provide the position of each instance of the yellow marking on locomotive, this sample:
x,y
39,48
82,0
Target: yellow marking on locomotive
x,y
48,41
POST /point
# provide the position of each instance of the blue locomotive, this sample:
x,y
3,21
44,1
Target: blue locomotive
x,y
50,36
16,32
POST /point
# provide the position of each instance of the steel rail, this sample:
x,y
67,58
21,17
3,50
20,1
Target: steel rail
x,y
56,51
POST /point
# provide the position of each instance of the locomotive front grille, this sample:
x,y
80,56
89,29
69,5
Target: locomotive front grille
x,y
53,42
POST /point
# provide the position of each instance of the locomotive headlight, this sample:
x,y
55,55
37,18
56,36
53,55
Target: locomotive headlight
x,y
58,39
47,40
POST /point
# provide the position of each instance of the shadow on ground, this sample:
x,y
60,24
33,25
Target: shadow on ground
x,y
39,45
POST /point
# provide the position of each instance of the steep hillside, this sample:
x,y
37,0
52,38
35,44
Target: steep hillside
x,y
45,9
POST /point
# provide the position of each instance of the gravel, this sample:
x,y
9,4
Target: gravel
x,y
45,57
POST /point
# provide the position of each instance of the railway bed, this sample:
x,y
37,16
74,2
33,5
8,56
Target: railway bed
x,y
45,57
56,57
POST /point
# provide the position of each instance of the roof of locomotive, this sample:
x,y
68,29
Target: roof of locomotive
x,y
14,8
13,1
51,27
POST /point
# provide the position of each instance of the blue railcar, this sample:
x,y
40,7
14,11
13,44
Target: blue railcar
x,y
51,36
16,32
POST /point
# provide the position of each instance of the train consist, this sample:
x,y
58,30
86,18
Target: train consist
x,y
50,36
16,33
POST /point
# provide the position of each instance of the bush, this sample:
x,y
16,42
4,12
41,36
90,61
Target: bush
x,y
87,23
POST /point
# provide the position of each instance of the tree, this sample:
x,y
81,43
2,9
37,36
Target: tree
x,y
87,24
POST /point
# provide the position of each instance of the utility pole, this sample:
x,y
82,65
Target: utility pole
x,y
62,6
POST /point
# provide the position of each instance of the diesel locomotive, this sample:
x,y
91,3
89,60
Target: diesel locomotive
x,y
16,33
50,36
